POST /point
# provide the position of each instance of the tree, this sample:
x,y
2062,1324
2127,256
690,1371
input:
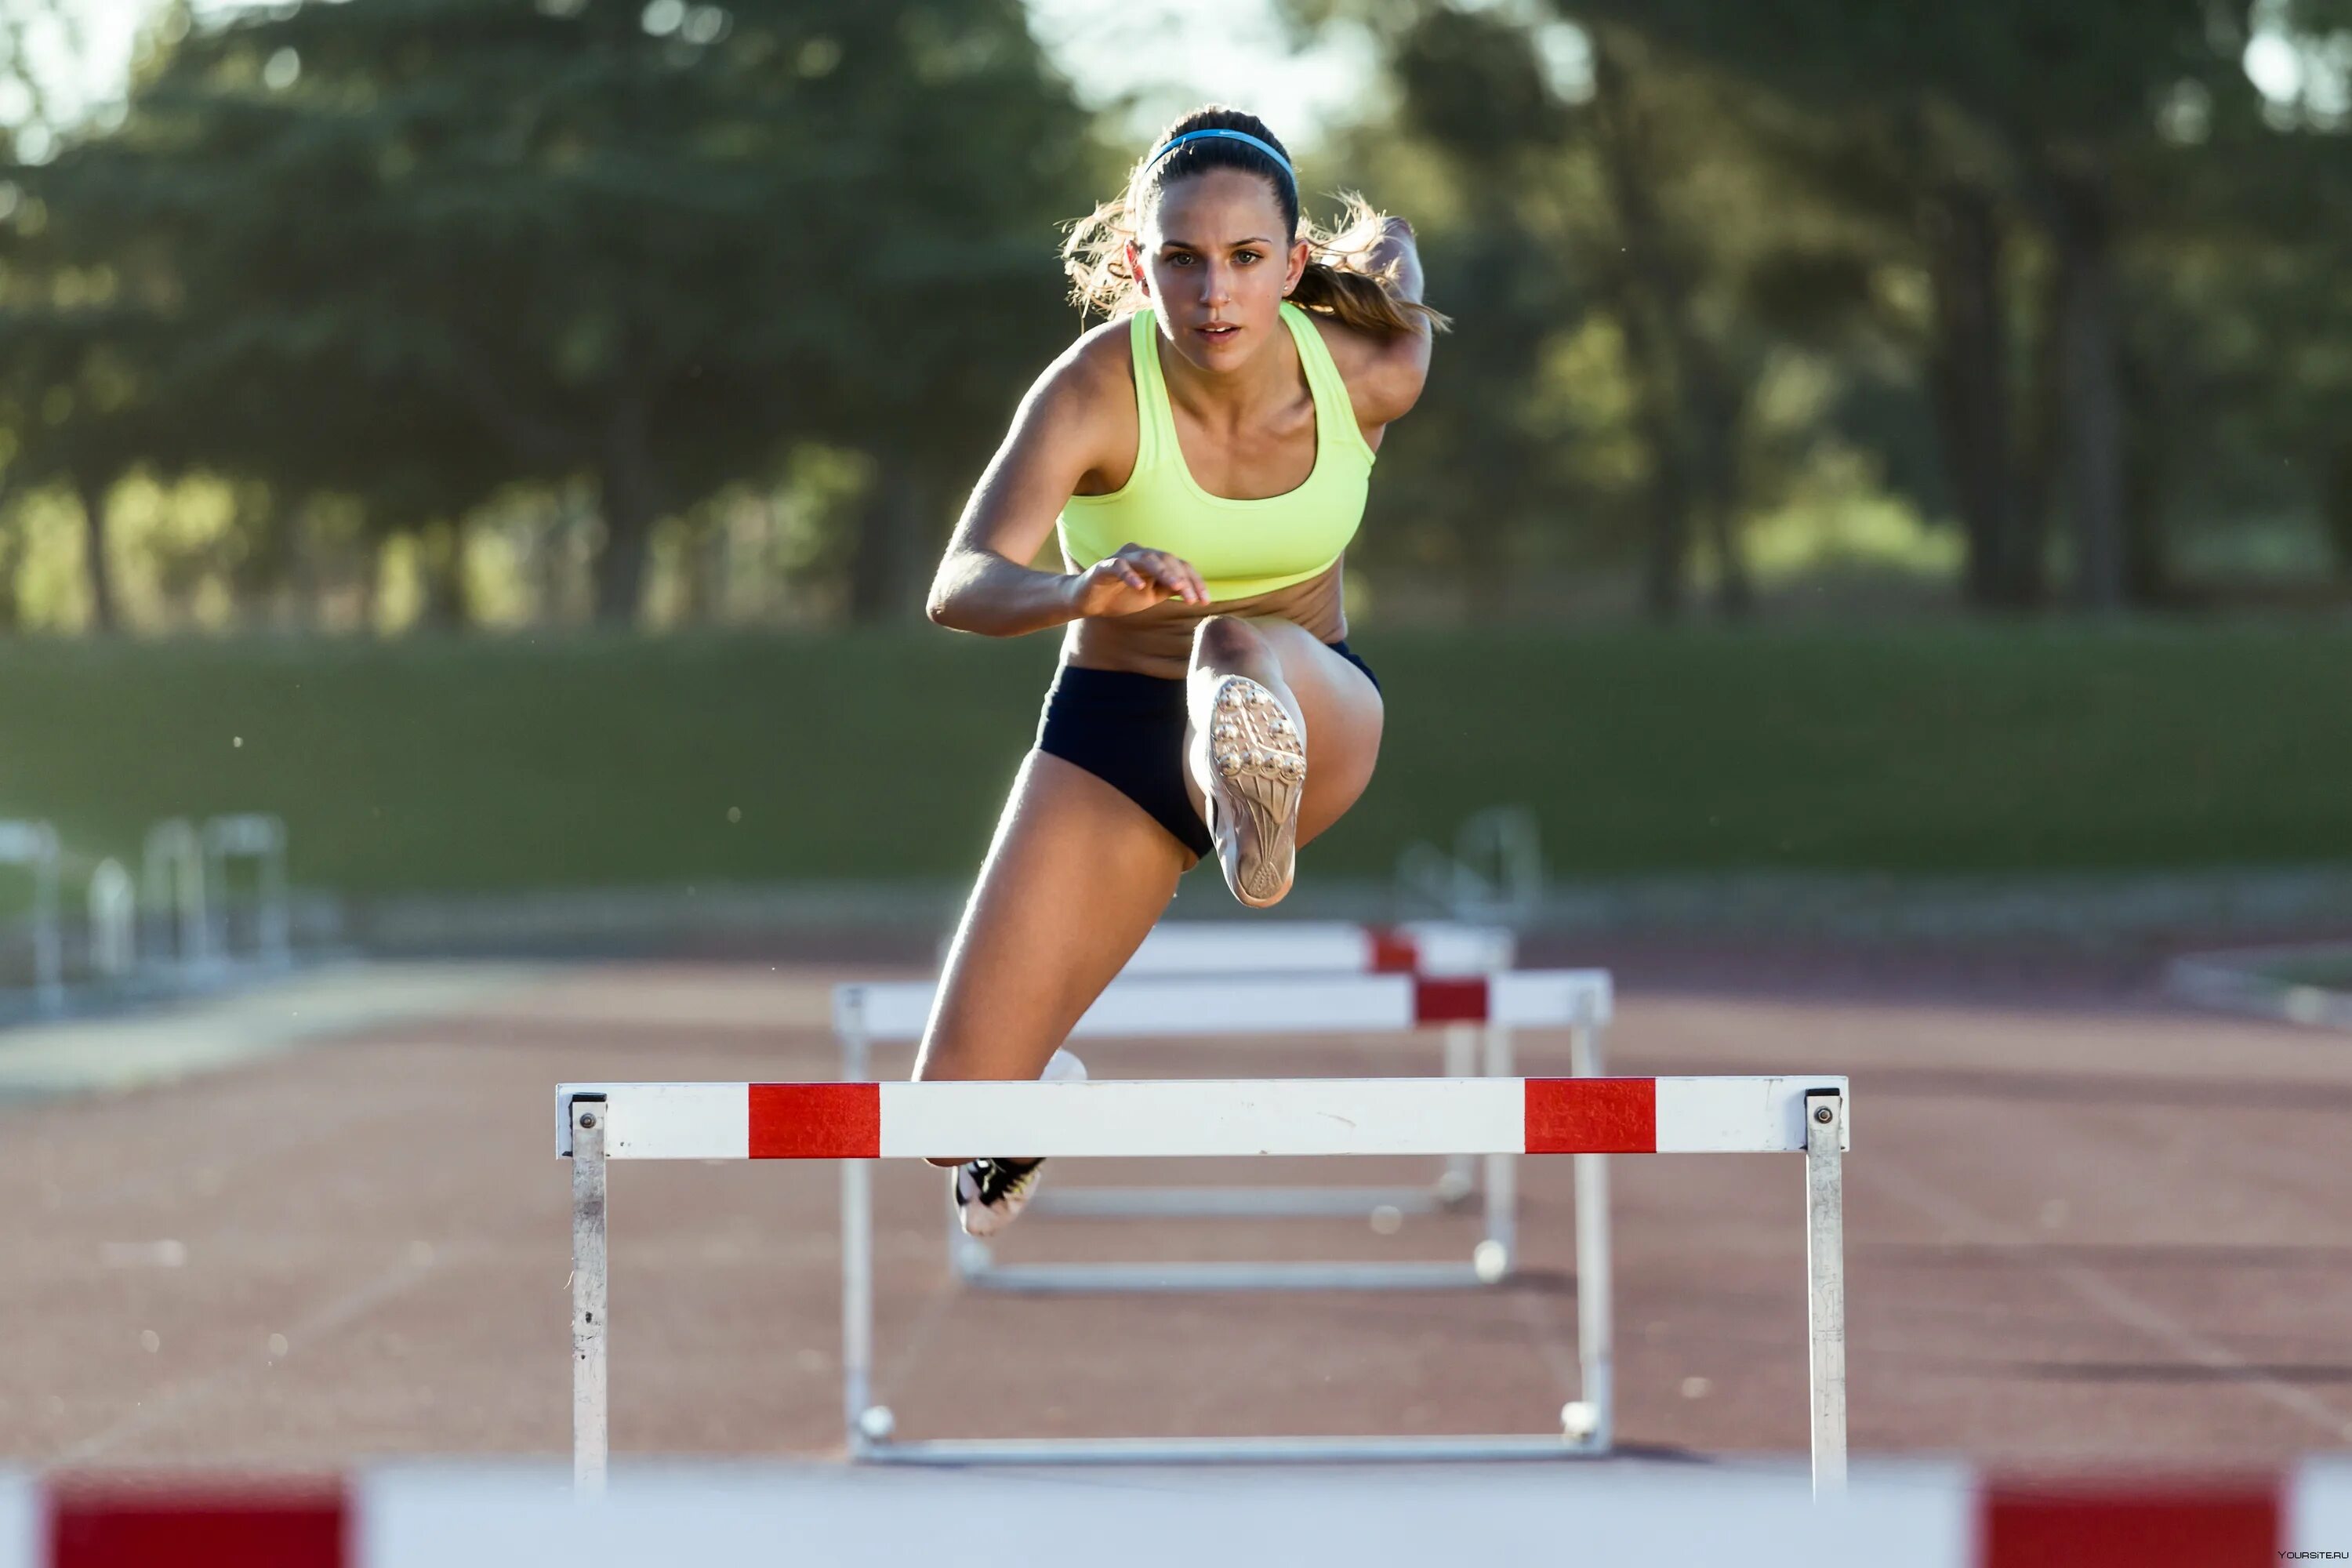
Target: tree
x,y
1980,112
415,249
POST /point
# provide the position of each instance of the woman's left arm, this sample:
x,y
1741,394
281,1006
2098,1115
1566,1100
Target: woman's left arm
x,y
1386,374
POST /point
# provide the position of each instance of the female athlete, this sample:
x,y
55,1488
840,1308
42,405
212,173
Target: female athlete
x,y
1205,455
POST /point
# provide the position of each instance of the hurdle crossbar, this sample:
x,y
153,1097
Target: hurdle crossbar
x,y
1181,1000
856,1122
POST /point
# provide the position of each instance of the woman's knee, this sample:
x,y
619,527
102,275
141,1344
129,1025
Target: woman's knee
x,y
1224,640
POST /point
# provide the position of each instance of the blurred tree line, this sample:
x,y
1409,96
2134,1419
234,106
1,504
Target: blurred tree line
x,y
509,312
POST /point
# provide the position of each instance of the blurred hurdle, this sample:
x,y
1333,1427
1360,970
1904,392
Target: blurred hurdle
x,y
857,1122
494,1512
171,873
34,846
258,836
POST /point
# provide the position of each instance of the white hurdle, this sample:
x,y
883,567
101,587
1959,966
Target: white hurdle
x,y
258,836
1208,948
34,846
859,1123
1186,1003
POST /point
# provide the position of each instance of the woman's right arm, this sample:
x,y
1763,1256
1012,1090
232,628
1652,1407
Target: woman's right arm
x,y
985,583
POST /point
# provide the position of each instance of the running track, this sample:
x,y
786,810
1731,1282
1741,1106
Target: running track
x,y
2081,1227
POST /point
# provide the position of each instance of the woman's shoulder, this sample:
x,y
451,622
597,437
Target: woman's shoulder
x,y
1383,372
1098,367
1085,404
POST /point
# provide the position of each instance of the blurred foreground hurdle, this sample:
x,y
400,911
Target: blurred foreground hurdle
x,y
495,1513
860,1122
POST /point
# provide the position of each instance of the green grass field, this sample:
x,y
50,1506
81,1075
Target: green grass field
x,y
599,762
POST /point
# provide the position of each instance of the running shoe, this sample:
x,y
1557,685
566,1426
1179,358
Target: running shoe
x,y
990,1193
1257,775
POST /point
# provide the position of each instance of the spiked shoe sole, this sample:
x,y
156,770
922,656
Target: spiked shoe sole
x,y
1257,775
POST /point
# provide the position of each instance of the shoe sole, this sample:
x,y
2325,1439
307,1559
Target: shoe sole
x,y
1257,776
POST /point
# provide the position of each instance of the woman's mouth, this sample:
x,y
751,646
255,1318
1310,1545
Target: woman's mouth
x,y
1219,331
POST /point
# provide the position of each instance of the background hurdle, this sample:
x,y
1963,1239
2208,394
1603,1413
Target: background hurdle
x,y
865,1015
34,846
1303,947
1191,1005
856,1122
1308,947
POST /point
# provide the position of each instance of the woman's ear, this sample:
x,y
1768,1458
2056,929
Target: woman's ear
x,y
1135,271
1300,254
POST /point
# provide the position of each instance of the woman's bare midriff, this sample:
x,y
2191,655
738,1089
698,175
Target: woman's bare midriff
x,y
1159,641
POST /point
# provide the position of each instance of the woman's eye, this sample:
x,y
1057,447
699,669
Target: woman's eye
x,y
1246,256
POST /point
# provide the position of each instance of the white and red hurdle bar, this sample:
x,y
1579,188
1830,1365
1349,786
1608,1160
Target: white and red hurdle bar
x,y
860,1122
494,1513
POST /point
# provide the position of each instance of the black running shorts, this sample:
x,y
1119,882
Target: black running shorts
x,y
1128,731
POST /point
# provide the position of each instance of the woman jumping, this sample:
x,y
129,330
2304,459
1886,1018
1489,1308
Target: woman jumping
x,y
1206,453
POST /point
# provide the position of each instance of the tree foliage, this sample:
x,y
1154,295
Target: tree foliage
x,y
416,250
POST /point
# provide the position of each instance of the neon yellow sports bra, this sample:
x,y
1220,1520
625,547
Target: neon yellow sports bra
x,y
1239,547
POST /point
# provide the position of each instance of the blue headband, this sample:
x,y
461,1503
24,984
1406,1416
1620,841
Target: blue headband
x,y
1266,148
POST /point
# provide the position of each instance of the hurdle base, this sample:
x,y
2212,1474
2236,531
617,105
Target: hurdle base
x,y
1244,1203
1176,1278
1048,1451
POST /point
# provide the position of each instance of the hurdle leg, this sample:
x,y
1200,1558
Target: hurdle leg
x,y
1461,1173
1500,1251
1595,1285
856,1264
1825,1276
589,1432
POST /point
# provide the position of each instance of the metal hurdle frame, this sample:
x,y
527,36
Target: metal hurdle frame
x,y
857,1124
1263,1004
1183,1000
260,836
172,878
34,846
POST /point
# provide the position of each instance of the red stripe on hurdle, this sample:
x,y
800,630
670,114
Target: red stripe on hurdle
x,y
1460,1000
816,1120
1393,953
130,1526
1593,1116
2022,1525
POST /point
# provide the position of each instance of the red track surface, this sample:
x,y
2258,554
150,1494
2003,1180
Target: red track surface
x,y
2081,1228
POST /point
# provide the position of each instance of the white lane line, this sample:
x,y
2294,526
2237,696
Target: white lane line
x,y
2089,1285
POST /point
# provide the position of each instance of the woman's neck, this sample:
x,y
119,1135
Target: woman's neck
x,y
1270,379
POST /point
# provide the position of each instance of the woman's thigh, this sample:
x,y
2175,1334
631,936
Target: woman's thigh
x,y
1340,709
1074,881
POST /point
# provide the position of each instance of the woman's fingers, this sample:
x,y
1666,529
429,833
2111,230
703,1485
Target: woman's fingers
x,y
1145,569
1177,575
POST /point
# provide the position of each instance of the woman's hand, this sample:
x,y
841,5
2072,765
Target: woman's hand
x,y
1134,579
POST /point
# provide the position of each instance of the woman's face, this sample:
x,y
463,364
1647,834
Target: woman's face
x,y
1215,260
